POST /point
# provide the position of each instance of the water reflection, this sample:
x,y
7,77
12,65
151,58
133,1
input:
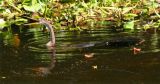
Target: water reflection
x,y
18,58
16,40
152,40
44,71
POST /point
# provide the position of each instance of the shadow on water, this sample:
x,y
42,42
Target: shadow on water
x,y
24,59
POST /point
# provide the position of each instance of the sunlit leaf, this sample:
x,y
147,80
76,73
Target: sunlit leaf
x,y
20,21
129,16
1,1
146,26
129,25
155,5
2,23
127,9
32,8
84,5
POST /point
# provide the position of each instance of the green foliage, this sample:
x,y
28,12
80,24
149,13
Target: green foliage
x,y
33,5
77,13
2,23
67,1
129,25
129,16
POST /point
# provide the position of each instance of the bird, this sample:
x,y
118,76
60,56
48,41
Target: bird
x,y
51,43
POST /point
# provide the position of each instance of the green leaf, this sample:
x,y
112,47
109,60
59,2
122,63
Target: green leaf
x,y
129,16
2,23
127,9
33,8
34,2
129,25
20,21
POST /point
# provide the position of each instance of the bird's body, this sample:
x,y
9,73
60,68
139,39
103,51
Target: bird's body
x,y
114,43
120,42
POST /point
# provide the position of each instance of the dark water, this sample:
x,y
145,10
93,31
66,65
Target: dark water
x,y
24,59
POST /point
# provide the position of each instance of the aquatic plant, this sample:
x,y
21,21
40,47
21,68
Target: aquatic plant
x,y
76,14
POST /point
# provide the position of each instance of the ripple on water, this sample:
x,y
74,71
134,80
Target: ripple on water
x,y
107,63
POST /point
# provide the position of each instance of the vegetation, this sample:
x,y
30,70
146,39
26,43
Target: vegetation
x,y
83,14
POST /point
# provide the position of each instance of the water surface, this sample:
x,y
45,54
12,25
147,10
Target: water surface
x,y
24,59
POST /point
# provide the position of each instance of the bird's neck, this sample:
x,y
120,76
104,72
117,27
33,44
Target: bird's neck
x,y
49,26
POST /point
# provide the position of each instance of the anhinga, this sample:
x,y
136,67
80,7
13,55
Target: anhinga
x,y
118,42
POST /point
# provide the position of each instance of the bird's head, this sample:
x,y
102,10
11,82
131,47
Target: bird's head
x,y
44,21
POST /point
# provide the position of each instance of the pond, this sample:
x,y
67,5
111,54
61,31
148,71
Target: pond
x,y
24,58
